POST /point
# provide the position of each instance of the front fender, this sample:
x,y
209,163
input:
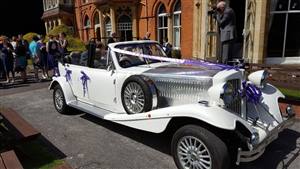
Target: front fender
x,y
66,88
157,120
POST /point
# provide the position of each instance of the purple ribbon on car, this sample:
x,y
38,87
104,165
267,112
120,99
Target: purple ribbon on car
x,y
251,92
180,61
56,72
84,78
68,74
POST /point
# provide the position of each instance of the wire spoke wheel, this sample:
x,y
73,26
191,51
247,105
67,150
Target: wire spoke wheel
x,y
193,153
134,97
59,99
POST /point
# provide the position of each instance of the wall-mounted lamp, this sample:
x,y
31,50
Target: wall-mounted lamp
x,y
197,4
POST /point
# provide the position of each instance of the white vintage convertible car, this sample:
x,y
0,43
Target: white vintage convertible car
x,y
215,113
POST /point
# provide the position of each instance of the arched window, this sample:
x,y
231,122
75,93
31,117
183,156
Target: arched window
x,y
162,24
107,26
97,25
96,18
125,28
87,22
177,24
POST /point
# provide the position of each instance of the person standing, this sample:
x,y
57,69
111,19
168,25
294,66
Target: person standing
x,y
147,36
3,59
54,54
63,42
43,55
226,20
21,62
34,56
25,44
167,47
111,39
9,59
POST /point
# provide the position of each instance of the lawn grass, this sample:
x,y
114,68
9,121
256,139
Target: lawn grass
x,y
290,93
34,155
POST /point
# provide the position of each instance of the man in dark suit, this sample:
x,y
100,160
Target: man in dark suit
x,y
225,17
112,38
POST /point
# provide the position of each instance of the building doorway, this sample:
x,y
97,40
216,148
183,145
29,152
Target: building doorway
x,y
212,49
125,28
239,8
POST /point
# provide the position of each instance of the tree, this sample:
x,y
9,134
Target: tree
x,y
74,43
29,36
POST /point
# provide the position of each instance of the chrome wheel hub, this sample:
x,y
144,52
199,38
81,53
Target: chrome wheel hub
x,y
193,153
134,97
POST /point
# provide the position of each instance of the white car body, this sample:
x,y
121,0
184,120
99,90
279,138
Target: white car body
x,y
103,99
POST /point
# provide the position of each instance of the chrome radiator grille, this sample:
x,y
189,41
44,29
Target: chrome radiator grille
x,y
178,92
235,106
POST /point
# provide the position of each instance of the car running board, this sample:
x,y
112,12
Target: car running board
x,y
96,111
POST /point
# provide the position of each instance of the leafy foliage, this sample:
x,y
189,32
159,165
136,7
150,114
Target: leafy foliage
x,y
29,36
74,43
61,28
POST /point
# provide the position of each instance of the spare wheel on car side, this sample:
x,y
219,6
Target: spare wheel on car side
x,y
138,95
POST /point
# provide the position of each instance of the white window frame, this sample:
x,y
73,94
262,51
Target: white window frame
x,y
176,27
163,16
108,28
88,25
286,13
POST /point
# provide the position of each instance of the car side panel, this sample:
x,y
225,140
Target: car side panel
x,y
157,120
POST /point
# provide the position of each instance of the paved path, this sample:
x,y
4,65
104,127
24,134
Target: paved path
x,y
92,143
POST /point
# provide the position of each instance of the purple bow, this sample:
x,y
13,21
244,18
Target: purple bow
x,y
84,78
252,93
56,72
68,74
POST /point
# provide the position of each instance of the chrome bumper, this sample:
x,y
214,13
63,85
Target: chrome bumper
x,y
247,156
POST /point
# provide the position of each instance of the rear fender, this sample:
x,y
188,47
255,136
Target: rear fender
x,y
66,88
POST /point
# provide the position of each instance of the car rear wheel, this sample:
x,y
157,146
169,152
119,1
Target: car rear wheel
x,y
59,100
195,147
136,95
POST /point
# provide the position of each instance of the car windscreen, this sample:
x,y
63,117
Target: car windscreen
x,y
126,60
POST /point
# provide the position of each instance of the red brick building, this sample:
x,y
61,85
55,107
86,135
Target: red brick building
x,y
57,12
131,19
268,30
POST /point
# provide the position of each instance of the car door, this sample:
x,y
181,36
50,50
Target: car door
x,y
76,67
101,89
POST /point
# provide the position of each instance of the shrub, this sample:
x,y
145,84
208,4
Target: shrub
x,y
75,44
60,29
29,36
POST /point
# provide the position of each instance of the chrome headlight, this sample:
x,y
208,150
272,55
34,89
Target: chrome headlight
x,y
259,78
228,93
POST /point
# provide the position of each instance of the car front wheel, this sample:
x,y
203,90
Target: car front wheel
x,y
195,147
59,100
